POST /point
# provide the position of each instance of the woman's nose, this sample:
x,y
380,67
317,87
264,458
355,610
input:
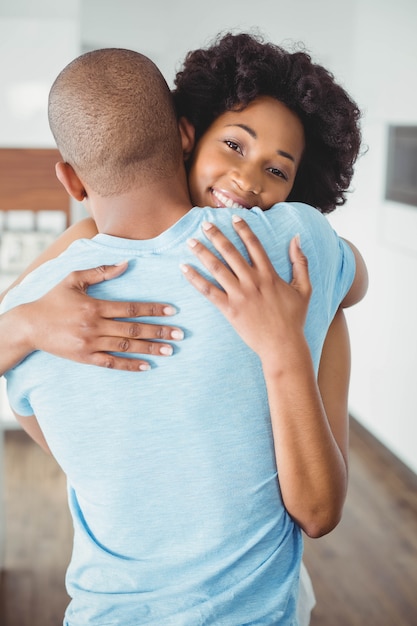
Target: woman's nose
x,y
248,180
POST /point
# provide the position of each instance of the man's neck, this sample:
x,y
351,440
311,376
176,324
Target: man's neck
x,y
141,214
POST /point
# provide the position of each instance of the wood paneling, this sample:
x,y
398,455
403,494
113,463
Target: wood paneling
x,y
28,181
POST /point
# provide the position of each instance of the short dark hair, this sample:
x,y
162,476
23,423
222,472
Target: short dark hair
x,y
237,68
113,118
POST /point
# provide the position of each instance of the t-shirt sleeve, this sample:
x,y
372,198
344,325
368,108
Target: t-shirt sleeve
x,y
332,259
16,395
346,271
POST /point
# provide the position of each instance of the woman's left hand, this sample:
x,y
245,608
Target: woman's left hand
x,y
265,310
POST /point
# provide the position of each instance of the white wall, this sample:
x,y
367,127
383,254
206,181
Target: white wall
x,y
383,327
165,31
36,41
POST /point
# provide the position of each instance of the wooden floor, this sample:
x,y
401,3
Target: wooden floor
x,y
364,573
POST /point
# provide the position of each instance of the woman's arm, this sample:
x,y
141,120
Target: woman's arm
x,y
311,449
84,229
70,324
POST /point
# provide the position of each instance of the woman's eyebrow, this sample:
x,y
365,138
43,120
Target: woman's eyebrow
x,y
248,129
287,155
253,134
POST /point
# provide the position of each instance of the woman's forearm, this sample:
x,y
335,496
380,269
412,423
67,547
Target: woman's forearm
x,y
14,336
15,332
311,467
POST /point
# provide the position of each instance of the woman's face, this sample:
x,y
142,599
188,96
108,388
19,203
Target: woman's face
x,y
247,158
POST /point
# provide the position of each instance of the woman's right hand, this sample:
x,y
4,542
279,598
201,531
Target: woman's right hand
x,y
68,323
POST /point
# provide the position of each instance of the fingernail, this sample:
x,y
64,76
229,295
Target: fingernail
x,y
192,242
298,240
166,350
144,367
169,310
177,334
183,268
236,218
206,225
121,263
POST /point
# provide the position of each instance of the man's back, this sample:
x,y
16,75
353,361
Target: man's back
x,y
172,477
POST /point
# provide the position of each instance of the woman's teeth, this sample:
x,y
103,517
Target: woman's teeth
x,y
227,202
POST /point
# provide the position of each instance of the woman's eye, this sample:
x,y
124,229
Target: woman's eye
x,y
233,145
276,172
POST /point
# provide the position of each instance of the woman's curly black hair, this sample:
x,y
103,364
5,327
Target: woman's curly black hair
x,y
238,68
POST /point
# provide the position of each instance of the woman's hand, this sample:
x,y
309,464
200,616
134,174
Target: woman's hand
x,y
68,323
264,309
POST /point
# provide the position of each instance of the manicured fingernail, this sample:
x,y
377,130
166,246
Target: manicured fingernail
x,y
169,310
166,350
121,263
236,218
298,240
192,242
177,334
206,225
144,367
183,268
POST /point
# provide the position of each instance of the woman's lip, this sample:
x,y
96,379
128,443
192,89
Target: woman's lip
x,y
225,199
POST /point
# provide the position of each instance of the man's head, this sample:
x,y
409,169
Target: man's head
x,y
113,120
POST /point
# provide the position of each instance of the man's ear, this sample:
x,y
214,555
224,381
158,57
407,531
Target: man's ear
x,y
187,132
69,179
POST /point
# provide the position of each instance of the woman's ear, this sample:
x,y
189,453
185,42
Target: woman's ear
x,y
187,132
69,179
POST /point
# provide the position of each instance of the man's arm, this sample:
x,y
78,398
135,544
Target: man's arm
x,y
360,282
334,379
31,426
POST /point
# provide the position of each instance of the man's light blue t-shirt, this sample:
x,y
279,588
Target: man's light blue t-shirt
x,y
172,478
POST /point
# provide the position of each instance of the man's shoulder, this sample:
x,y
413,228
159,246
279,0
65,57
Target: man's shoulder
x,y
276,226
305,213
280,212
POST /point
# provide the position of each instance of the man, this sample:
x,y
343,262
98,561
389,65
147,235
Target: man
x,y
178,514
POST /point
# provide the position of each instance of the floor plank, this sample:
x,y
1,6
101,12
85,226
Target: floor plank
x,y
364,573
